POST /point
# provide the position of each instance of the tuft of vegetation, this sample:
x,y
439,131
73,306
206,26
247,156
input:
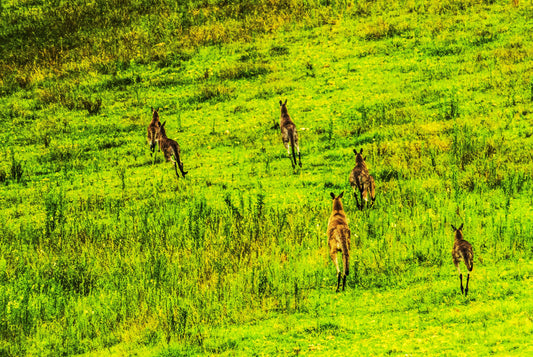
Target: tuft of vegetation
x,y
16,168
242,71
93,107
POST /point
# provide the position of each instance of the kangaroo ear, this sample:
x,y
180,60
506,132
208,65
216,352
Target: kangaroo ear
x,y
364,158
355,151
340,196
461,227
280,103
152,108
164,123
453,227
360,152
285,102
332,195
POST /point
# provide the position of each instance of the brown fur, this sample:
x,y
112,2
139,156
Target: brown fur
x,y
152,127
289,134
361,181
339,239
462,251
170,149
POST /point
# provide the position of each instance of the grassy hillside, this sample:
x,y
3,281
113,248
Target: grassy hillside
x,y
104,251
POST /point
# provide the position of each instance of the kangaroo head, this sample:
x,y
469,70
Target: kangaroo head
x,y
359,156
283,106
337,204
458,231
160,130
155,114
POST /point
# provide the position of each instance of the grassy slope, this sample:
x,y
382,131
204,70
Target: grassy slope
x,y
422,316
440,103
418,318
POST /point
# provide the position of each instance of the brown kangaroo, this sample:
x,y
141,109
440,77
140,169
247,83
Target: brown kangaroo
x,y
152,127
462,250
339,239
170,148
361,180
289,134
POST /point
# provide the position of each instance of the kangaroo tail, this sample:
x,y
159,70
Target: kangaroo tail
x,y
291,138
175,169
345,238
372,189
470,266
177,157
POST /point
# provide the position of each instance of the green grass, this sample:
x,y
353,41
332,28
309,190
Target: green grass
x,y
102,251
422,315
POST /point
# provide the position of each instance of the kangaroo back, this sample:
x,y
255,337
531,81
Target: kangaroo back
x,y
339,239
289,136
462,251
170,148
468,256
152,128
362,181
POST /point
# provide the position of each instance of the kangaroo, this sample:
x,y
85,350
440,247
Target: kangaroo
x,y
361,180
289,134
339,239
170,148
462,250
150,136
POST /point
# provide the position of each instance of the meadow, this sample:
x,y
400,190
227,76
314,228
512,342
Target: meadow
x,y
103,251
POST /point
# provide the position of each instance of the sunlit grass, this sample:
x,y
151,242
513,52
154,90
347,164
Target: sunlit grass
x,y
103,250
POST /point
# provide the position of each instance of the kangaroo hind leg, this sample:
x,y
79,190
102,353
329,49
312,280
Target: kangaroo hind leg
x,y
456,262
297,150
372,191
355,195
333,255
180,165
175,168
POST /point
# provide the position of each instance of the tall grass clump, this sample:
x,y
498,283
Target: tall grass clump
x,y
54,208
16,169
